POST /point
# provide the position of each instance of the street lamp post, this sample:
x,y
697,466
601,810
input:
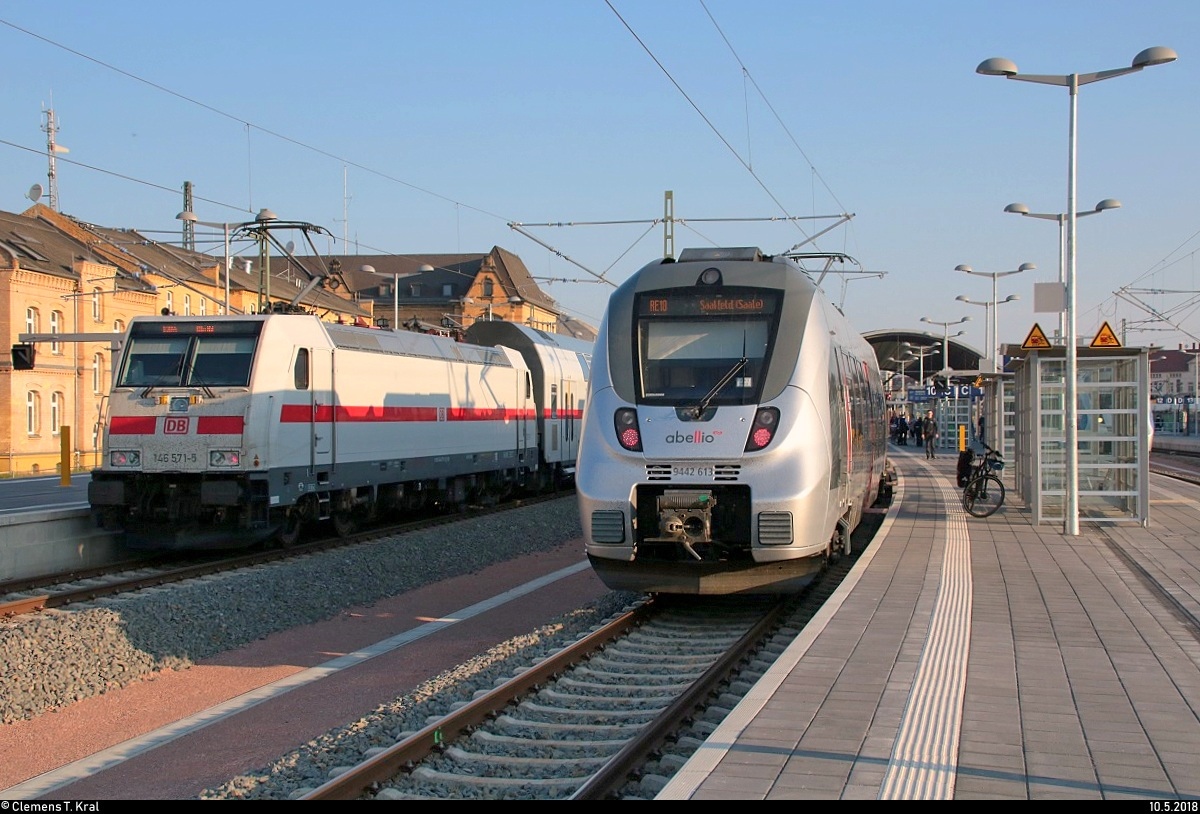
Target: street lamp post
x,y
998,66
921,351
395,292
991,315
903,361
990,332
945,340
188,216
1022,209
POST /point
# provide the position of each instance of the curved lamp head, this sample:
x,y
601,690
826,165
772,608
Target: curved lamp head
x,y
188,216
997,66
1158,55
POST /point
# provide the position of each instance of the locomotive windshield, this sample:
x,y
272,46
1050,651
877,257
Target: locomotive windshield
x,y
704,346
177,354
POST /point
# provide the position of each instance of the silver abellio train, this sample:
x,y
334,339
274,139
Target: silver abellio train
x,y
223,432
735,429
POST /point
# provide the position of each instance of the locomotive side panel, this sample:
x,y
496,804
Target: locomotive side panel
x,y
246,427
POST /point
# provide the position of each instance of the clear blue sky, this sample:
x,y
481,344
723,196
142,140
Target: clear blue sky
x,y
409,127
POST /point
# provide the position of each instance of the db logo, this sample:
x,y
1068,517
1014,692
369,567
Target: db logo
x,y
174,425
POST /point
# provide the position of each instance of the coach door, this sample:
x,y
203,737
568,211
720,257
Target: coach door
x,y
324,409
525,410
569,430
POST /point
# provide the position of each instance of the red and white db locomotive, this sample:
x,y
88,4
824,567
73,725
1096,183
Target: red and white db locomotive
x,y
222,432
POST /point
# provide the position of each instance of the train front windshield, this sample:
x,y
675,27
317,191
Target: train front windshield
x,y
185,354
704,347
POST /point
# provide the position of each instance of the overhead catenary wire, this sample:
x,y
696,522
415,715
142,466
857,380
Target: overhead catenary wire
x,y
250,126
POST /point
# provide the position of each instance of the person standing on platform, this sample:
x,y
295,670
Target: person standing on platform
x,y
929,431
914,429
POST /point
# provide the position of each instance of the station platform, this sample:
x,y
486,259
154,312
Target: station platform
x,y
1184,444
968,658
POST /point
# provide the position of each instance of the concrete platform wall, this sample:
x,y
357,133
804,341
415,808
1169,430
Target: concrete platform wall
x,y
44,542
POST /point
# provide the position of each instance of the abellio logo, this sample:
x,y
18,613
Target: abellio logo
x,y
696,437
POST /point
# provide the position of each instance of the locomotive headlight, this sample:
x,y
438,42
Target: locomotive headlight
x,y
224,457
124,457
762,431
628,435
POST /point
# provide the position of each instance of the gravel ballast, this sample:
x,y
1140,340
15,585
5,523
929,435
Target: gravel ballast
x,y
61,656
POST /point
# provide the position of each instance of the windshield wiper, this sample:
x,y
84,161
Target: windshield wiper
x,y
196,380
699,409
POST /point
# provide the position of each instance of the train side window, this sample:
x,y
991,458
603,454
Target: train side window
x,y
554,401
528,386
300,372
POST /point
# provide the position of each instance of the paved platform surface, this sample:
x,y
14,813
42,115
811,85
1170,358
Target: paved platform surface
x,y
977,659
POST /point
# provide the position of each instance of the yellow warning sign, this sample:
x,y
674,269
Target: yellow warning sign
x,y
1036,340
1105,338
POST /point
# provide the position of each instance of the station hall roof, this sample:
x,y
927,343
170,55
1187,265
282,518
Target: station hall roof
x,y
891,344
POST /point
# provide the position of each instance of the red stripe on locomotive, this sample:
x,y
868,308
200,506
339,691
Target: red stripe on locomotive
x,y
220,425
132,425
323,413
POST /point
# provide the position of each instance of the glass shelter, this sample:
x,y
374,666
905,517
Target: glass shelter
x,y
1113,433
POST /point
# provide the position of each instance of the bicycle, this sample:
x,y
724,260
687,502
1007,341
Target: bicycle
x,y
983,493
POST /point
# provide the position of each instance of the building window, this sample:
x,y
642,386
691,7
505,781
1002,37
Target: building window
x,y
97,312
31,320
203,306
187,305
32,407
448,290
170,302
487,286
97,372
119,326
56,404
56,327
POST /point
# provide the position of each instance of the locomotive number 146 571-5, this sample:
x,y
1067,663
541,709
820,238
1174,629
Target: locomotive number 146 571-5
x,y
174,457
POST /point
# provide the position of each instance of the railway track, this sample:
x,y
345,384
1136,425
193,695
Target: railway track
x,y
611,716
576,725
19,597
1181,466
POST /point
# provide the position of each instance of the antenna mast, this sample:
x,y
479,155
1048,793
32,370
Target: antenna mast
x,y
669,225
52,149
345,211
189,226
